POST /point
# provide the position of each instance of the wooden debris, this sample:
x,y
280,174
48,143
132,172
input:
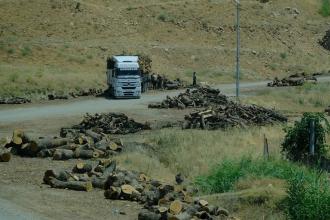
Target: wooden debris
x,y
298,79
72,185
176,207
5,155
110,123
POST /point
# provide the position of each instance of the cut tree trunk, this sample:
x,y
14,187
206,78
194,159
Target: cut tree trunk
x,y
62,154
82,167
73,185
5,155
85,154
49,142
57,174
113,193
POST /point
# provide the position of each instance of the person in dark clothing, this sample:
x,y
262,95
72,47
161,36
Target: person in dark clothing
x,y
154,81
194,79
160,82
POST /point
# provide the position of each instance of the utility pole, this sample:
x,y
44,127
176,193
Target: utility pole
x,y
238,40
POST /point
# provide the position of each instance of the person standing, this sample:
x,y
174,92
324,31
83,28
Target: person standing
x,y
194,79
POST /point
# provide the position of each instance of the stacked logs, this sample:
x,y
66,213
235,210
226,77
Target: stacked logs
x,y
293,80
82,92
14,100
71,144
159,200
201,97
111,123
232,115
83,177
325,42
5,153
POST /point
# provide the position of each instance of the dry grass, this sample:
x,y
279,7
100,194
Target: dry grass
x,y
194,36
194,152
307,98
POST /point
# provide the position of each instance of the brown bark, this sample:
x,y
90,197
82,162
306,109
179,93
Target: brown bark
x,y
62,154
5,155
85,154
57,174
73,185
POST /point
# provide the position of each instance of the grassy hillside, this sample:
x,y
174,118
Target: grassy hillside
x,y
63,44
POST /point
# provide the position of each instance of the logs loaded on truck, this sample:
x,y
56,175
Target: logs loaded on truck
x,y
160,200
87,140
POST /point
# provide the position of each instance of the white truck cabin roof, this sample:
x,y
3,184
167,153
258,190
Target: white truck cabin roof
x,y
124,59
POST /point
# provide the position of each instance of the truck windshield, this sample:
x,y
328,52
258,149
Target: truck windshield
x,y
127,72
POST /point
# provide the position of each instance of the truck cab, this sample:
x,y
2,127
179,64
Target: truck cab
x,y
124,76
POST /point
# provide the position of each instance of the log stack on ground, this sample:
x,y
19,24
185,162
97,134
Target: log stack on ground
x,y
14,100
5,154
159,200
193,98
232,115
298,79
72,144
110,123
83,177
325,42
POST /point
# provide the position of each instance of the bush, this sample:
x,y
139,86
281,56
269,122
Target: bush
x,y
283,55
325,8
308,199
162,17
224,176
296,141
26,51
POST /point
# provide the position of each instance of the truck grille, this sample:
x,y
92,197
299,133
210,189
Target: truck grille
x,y
128,87
128,93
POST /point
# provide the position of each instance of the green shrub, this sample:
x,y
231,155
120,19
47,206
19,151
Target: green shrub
x,y
11,51
26,51
224,176
325,8
283,55
162,17
296,141
308,199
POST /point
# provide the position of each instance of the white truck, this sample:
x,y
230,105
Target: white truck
x,y
124,76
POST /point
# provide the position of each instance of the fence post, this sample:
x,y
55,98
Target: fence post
x,y
266,150
312,138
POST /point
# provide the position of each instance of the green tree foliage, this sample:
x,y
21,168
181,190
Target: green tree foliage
x,y
296,142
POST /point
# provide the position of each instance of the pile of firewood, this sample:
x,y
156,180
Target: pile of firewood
x,y
14,100
72,144
111,123
83,177
201,97
5,153
325,42
82,92
232,115
293,80
159,200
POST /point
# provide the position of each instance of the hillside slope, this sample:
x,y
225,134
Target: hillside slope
x,y
58,45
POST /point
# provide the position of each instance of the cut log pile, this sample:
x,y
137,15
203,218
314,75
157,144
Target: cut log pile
x,y
325,42
293,80
111,123
83,177
14,100
201,97
232,115
82,92
71,144
159,200
5,153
